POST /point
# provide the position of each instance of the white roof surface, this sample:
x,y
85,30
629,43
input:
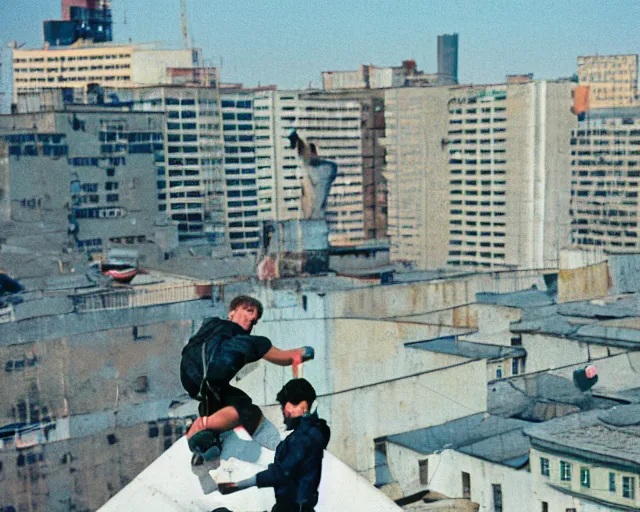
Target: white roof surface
x,y
171,484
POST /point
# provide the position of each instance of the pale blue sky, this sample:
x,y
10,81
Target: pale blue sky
x,y
289,43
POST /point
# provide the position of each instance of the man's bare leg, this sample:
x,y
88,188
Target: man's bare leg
x,y
225,419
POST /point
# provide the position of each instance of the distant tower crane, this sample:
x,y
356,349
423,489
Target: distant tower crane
x,y
183,18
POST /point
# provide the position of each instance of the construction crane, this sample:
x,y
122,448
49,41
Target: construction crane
x,y
183,18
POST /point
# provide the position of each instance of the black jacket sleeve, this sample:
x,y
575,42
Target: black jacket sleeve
x,y
279,473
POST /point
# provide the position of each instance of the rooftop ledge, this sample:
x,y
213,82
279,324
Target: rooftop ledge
x,y
151,295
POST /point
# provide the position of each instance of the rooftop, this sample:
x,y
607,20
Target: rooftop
x,y
614,433
614,321
172,484
451,345
540,397
482,435
522,299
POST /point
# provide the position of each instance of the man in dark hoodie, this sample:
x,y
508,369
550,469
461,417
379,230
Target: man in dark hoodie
x,y
297,466
212,357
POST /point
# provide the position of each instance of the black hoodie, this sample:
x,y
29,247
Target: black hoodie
x,y
227,348
297,466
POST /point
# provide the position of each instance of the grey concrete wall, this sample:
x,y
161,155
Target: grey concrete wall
x,y
82,363
40,185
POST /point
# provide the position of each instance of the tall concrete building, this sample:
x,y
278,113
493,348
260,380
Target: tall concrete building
x,y
416,175
86,387
190,185
448,56
605,158
605,154
479,176
75,68
263,173
240,171
333,124
612,80
91,169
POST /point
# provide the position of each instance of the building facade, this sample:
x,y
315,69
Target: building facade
x,y
415,174
76,67
368,77
243,202
612,80
448,56
605,158
86,401
264,173
491,163
89,20
89,168
587,461
190,185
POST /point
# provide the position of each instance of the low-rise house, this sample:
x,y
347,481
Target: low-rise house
x,y
481,457
587,461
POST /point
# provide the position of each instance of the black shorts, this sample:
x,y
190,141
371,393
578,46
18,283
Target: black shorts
x,y
218,397
286,506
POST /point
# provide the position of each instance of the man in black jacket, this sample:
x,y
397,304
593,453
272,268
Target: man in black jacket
x,y
297,466
213,356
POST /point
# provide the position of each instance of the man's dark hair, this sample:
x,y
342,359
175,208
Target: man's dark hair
x,y
245,300
295,391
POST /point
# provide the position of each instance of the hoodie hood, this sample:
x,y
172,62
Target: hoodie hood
x,y
314,425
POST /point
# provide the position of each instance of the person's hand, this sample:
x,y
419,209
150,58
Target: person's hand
x,y
199,424
307,353
227,488
302,354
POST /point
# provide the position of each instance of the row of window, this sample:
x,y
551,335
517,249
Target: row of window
x,y
475,192
97,213
518,365
57,69
81,57
75,79
45,150
566,468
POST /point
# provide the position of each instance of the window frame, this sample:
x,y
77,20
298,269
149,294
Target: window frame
x,y
585,477
545,468
630,483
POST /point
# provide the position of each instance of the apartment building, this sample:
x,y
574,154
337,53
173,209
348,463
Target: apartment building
x,y
190,185
74,68
612,80
91,169
415,125
240,172
333,124
490,163
87,381
264,173
587,460
605,158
